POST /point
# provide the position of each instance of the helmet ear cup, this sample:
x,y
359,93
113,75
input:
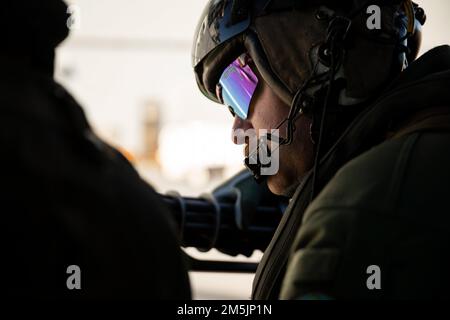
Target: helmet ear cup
x,y
415,40
417,14
407,35
414,43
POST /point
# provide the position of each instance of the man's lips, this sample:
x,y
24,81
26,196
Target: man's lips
x,y
245,150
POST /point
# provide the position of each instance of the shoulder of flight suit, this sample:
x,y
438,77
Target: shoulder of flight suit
x,y
357,216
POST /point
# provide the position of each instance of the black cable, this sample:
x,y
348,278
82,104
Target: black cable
x,y
332,74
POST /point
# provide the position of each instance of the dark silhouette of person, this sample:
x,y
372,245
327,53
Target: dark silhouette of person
x,y
77,220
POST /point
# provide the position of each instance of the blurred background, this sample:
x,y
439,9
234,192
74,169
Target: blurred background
x,y
128,63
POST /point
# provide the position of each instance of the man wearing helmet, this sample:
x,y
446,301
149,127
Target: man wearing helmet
x,y
363,140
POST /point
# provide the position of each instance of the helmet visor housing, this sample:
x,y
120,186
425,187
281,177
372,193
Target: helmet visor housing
x,y
219,22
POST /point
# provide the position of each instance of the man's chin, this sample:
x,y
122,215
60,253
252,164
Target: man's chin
x,y
276,185
281,187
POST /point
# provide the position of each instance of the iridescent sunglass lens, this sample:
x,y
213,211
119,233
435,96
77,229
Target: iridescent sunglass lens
x,y
238,84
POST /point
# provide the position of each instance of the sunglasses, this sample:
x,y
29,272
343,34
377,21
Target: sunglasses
x,y
236,87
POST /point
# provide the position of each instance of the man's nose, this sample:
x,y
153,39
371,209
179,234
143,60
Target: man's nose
x,y
238,130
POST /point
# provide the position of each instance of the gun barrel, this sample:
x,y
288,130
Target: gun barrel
x,y
204,224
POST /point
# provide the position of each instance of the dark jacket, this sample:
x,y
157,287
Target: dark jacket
x,y
385,203
67,198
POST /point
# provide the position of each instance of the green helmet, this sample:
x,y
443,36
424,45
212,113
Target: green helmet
x,y
277,35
